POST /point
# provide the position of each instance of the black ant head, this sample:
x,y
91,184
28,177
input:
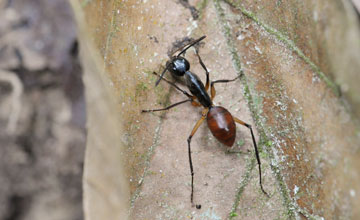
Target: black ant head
x,y
178,66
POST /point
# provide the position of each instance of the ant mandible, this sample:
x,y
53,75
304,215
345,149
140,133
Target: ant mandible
x,y
220,122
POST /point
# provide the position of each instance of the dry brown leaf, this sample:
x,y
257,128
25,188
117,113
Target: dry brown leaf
x,y
293,62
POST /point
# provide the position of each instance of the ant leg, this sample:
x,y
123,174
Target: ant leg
x,y
256,151
194,102
203,66
213,92
197,125
191,97
167,108
176,87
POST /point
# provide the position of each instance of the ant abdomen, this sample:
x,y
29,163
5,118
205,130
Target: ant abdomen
x,y
222,125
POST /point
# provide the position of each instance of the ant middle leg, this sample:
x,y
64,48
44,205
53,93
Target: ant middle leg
x,y
191,99
256,151
168,107
213,91
175,86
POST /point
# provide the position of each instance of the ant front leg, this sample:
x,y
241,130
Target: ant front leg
x,y
256,151
197,125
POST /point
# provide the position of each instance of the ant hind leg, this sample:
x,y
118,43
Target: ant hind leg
x,y
256,151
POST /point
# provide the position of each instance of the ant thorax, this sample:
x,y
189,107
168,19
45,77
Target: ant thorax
x,y
197,88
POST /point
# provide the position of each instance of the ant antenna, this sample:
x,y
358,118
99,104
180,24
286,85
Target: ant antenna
x,y
183,51
162,74
190,45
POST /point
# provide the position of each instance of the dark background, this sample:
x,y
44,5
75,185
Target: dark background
x,y
42,112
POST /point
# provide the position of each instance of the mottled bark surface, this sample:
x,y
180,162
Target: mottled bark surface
x,y
300,68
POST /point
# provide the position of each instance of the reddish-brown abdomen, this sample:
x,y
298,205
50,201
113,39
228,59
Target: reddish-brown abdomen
x,y
222,125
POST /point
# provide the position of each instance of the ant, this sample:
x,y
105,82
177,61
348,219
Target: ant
x,y
220,121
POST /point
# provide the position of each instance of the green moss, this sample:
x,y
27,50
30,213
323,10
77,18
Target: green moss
x,y
233,214
140,88
162,95
269,143
263,154
240,143
200,7
250,164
